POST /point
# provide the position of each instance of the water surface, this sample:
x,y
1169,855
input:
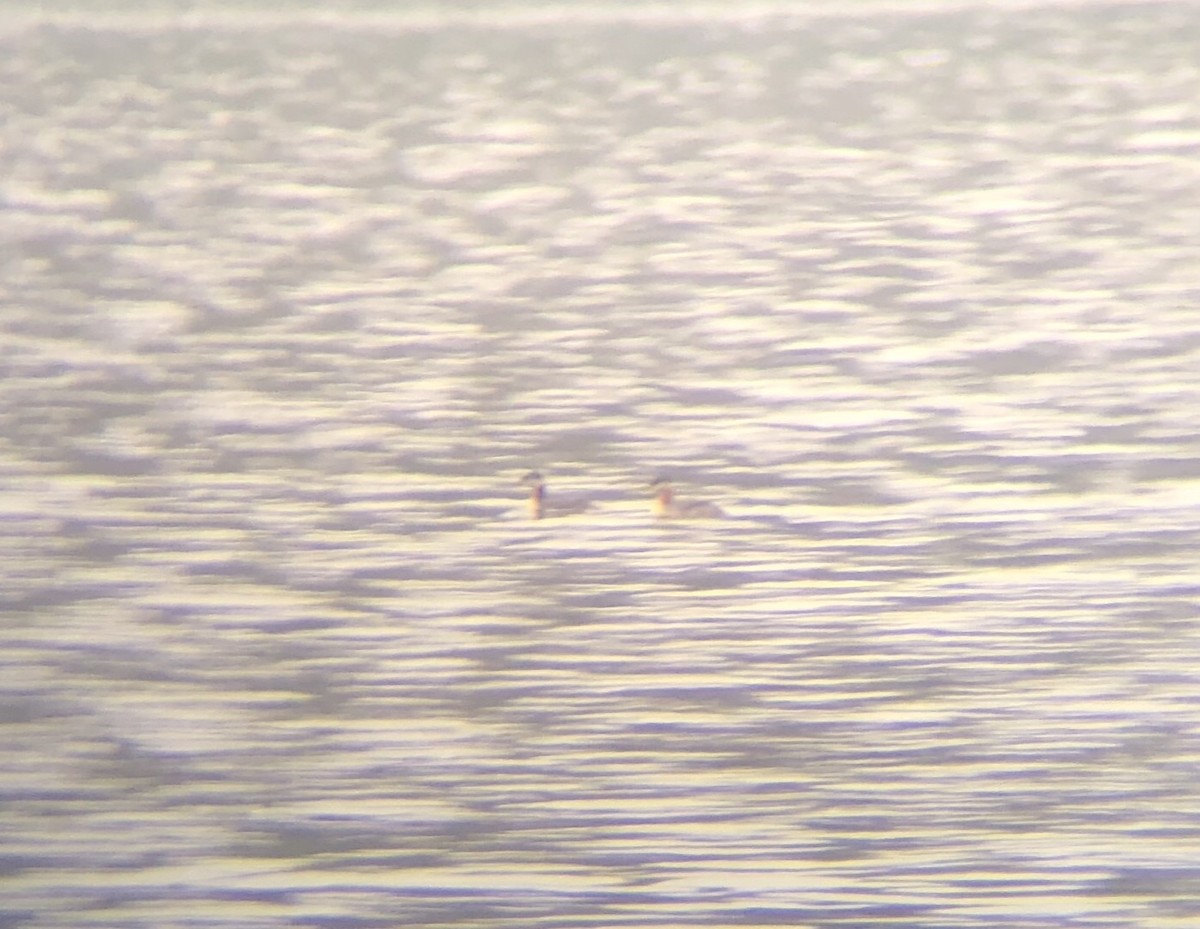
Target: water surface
x,y
286,313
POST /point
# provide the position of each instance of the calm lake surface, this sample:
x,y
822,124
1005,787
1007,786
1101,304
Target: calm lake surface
x,y
286,311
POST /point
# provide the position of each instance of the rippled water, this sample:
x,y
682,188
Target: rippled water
x,y
287,311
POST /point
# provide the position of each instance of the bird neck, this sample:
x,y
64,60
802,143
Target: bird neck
x,y
537,496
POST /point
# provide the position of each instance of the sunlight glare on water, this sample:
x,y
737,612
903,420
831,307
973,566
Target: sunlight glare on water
x,y
289,309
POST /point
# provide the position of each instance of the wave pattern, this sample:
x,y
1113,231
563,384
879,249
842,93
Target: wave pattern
x,y
286,312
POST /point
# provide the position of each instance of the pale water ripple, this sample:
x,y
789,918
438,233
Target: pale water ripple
x,y
286,313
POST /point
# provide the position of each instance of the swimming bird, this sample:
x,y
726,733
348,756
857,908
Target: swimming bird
x,y
666,506
541,508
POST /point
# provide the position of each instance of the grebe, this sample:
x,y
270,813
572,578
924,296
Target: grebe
x,y
666,506
541,508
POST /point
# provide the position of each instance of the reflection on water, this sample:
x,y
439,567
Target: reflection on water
x,y
287,314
